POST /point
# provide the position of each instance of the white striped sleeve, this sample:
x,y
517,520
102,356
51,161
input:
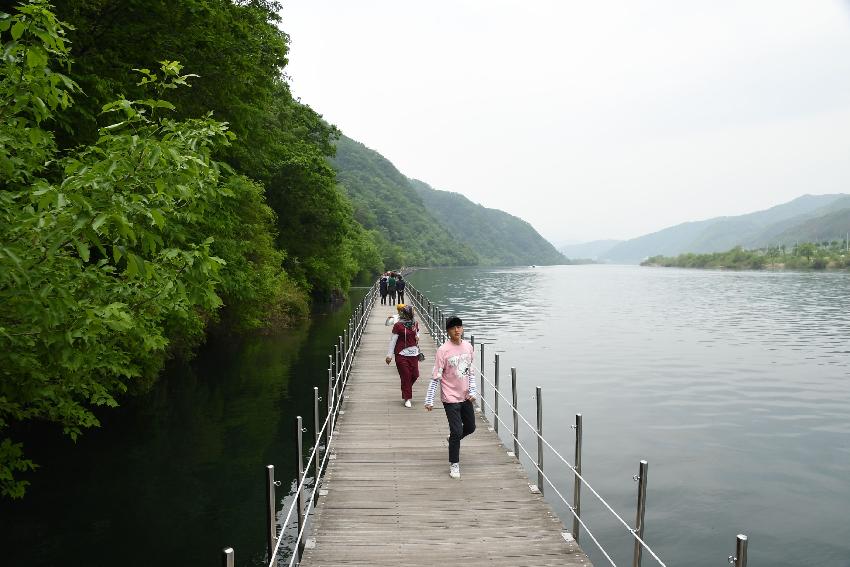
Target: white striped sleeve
x,y
393,341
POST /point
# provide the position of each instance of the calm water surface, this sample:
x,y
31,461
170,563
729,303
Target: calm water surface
x,y
734,386
174,476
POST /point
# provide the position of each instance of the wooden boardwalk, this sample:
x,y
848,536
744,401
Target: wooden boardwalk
x,y
390,500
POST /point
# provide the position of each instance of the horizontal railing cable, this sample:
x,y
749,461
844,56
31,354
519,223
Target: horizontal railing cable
x,y
561,496
578,475
441,335
344,364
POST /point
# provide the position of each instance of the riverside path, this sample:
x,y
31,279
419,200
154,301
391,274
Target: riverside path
x,y
387,498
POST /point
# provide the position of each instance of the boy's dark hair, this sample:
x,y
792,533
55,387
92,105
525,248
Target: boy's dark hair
x,y
453,322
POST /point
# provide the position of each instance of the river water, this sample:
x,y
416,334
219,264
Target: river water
x,y
174,476
734,386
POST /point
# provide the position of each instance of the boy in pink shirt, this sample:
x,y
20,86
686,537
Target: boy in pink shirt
x,y
454,371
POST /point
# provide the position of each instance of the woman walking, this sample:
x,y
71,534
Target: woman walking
x,y
404,346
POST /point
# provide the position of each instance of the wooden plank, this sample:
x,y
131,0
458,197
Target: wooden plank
x,y
390,499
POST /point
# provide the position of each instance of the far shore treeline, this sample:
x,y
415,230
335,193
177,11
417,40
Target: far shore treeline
x,y
159,182
802,256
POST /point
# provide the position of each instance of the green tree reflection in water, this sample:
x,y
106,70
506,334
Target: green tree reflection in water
x,y
175,475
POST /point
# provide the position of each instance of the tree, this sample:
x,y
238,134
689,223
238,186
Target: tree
x,y
107,252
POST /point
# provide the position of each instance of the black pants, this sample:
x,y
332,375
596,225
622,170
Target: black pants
x,y
400,296
392,297
461,418
383,297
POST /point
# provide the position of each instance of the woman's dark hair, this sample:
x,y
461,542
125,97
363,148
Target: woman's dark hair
x,y
453,322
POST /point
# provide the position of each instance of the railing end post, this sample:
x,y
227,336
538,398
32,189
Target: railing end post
x,y
228,557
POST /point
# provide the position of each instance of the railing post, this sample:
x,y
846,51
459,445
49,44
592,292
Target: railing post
x,y
337,369
740,557
271,511
338,348
516,416
496,395
481,385
472,342
299,494
540,439
641,511
577,485
317,441
228,558
329,432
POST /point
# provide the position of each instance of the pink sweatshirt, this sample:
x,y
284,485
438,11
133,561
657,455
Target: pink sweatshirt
x,y
454,371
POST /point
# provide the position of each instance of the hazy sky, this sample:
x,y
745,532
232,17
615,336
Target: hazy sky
x,y
590,120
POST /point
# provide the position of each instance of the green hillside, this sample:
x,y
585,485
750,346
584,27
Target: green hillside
x,y
386,205
498,238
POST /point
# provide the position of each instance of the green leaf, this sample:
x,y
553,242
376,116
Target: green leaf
x,y
158,218
12,256
36,57
18,30
132,267
83,250
98,221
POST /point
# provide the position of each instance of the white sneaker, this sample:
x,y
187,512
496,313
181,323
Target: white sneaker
x,y
454,470
407,403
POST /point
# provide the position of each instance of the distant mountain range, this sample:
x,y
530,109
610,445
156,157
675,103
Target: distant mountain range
x,y
416,225
805,219
588,250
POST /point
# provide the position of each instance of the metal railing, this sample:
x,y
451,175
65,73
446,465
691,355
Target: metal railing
x,y
339,370
434,318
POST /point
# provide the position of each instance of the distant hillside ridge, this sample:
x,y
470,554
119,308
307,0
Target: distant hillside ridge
x,y
499,238
593,250
793,221
386,204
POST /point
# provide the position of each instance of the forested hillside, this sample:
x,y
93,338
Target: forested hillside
x,y
386,204
498,238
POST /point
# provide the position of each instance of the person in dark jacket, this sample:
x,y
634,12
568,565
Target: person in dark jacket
x,y
399,288
382,287
391,283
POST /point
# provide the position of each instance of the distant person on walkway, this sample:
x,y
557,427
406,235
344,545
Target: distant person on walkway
x,y
383,289
391,288
454,372
404,347
399,288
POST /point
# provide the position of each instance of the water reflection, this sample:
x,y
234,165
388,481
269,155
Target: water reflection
x,y
733,385
174,476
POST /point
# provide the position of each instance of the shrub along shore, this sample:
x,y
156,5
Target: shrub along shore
x,y
805,256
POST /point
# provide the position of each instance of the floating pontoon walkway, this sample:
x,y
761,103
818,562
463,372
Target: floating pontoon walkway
x,y
387,498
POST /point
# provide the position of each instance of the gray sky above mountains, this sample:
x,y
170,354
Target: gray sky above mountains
x,y
590,120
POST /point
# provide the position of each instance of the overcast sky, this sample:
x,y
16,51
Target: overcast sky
x,y
590,120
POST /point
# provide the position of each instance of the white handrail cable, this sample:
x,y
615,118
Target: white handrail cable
x,y
564,500
631,530
358,332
